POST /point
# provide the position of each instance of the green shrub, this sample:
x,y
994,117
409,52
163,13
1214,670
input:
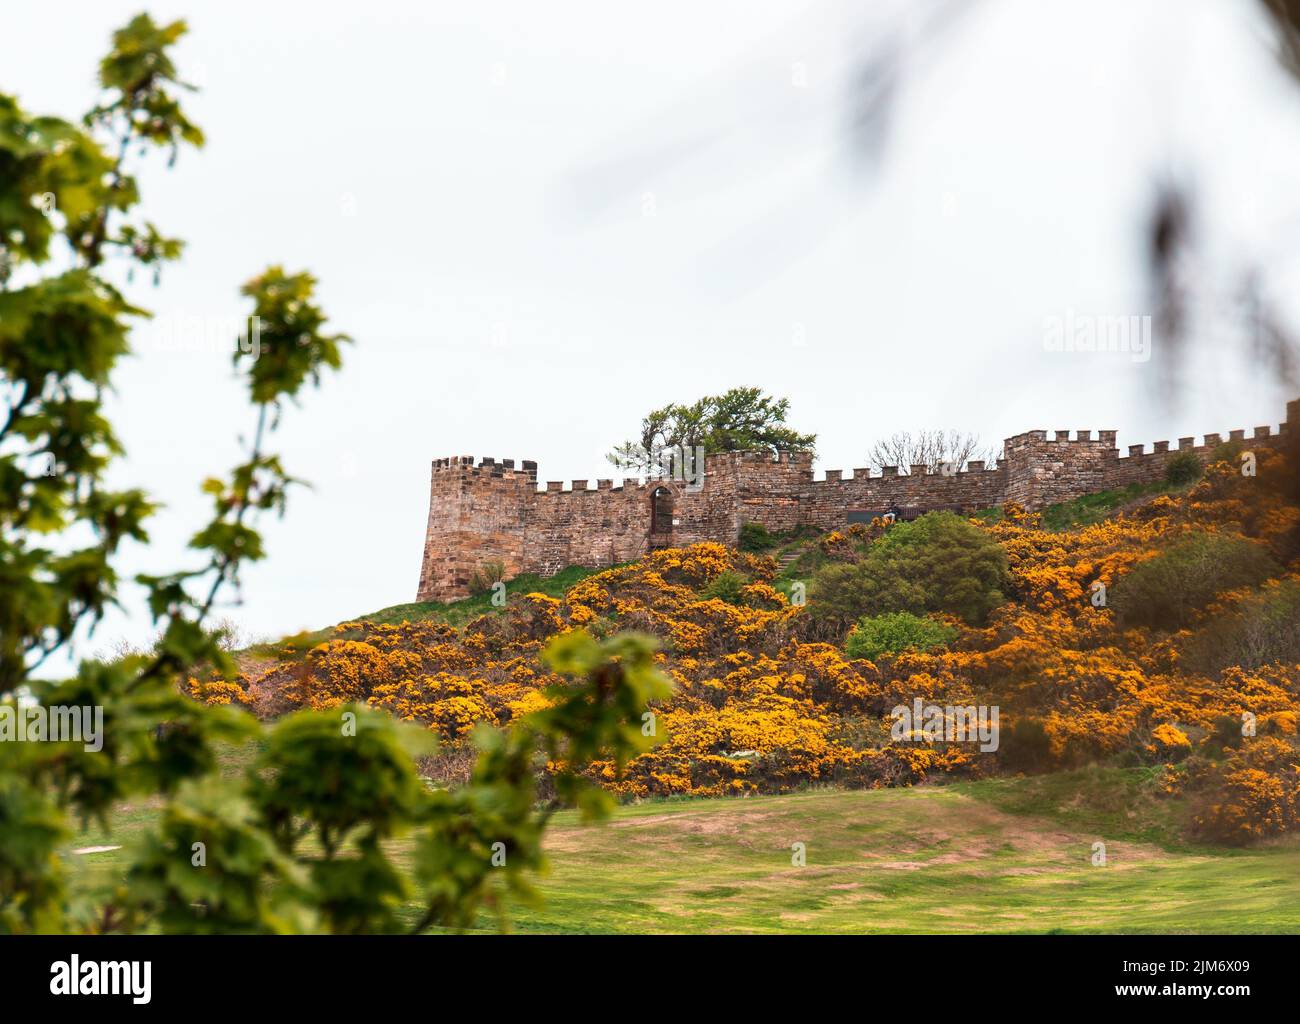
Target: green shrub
x,y
1168,590
1224,734
755,537
894,633
1264,629
486,576
298,841
1183,468
726,586
939,563
1229,452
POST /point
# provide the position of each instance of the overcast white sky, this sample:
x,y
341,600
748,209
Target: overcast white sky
x,y
539,221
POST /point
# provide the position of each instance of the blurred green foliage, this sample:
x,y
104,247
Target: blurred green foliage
x,y
298,842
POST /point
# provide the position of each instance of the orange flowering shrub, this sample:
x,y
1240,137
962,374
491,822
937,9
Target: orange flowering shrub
x,y
1254,794
217,691
346,671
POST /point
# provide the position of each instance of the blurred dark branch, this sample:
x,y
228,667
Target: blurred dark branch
x,y
879,78
1286,14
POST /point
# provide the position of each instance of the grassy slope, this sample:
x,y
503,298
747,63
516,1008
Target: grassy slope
x,y
923,860
1090,509
999,855
455,613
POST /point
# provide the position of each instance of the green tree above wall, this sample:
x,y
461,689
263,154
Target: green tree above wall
x,y
739,420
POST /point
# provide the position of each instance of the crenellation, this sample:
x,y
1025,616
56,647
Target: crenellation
x,y
494,512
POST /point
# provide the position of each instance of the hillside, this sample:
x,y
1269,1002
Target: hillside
x,y
1136,629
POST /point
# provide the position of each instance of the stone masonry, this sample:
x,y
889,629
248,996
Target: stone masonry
x,y
494,511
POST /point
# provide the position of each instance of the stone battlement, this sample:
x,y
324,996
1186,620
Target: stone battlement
x,y
486,462
495,510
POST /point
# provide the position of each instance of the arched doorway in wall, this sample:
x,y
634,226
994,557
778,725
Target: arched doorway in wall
x,y
661,516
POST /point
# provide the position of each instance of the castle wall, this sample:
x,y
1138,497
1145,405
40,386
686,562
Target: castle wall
x,y
477,514
496,512
909,494
581,526
1142,466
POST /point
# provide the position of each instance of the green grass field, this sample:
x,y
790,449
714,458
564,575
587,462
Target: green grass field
x,y
1012,855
